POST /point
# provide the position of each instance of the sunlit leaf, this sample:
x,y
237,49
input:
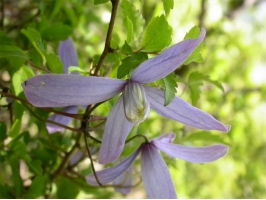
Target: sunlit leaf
x,y
15,129
54,63
157,35
128,24
170,88
168,5
12,51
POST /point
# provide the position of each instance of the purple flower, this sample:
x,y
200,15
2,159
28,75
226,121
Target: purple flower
x,y
155,174
69,57
134,104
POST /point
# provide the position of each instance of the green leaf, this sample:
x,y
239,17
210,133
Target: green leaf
x,y
37,187
12,51
129,25
130,63
19,77
56,7
168,5
33,35
57,32
170,88
195,80
157,35
16,178
36,166
97,2
134,15
126,49
4,40
5,192
3,134
54,63
195,56
15,128
77,69
66,189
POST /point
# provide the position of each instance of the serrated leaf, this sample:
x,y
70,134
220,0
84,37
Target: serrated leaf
x,y
126,49
134,15
57,32
195,56
37,187
36,166
3,134
11,51
129,26
130,63
97,2
15,128
170,88
54,63
168,5
157,35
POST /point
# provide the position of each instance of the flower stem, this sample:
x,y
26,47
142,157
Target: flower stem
x,y
108,37
138,135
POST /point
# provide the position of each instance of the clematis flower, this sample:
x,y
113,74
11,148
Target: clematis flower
x,y
155,174
69,57
133,106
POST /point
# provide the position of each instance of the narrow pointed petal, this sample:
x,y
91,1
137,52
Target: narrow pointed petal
x,y
59,90
165,63
183,112
68,54
117,128
165,138
61,119
112,173
155,175
123,184
193,154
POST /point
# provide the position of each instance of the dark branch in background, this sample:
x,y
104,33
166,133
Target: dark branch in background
x,y
202,13
2,14
108,37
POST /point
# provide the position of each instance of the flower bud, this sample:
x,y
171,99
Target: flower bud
x,y
136,104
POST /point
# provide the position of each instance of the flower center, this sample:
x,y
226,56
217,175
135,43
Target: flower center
x,y
136,104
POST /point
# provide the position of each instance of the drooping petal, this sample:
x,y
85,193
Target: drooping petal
x,y
165,138
68,54
183,112
123,184
59,90
193,154
155,175
117,128
112,173
136,104
165,63
61,119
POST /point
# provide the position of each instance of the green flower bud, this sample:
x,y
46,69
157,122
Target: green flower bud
x,y
136,104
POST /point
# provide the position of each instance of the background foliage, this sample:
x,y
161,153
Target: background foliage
x,y
228,81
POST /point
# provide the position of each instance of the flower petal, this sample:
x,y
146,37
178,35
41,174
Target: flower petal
x,y
155,175
112,173
68,54
193,154
52,128
165,63
59,90
165,138
117,128
183,112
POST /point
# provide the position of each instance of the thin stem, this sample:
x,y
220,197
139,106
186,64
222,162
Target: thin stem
x,y
40,68
108,37
52,122
92,165
138,135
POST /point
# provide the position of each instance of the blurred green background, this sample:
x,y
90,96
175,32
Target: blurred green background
x,y
235,55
